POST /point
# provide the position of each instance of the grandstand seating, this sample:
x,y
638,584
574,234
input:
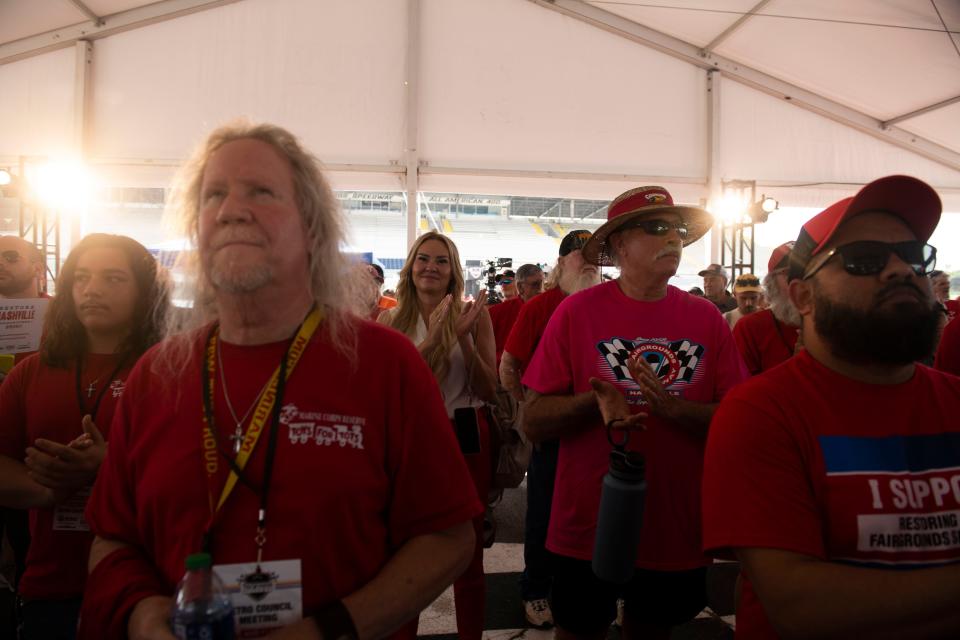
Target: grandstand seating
x,y
478,237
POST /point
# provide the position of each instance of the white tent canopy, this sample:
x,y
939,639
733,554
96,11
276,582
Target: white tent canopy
x,y
560,98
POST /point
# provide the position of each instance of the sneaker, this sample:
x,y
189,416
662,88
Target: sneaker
x,y
538,613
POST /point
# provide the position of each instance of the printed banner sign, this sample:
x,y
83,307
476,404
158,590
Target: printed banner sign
x,y
21,323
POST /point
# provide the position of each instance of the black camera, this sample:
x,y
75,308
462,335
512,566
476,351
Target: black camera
x,y
492,267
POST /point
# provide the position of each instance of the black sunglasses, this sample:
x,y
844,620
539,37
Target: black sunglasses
x,y
660,227
11,256
870,257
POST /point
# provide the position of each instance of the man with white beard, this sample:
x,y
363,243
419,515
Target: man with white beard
x,y
768,337
572,274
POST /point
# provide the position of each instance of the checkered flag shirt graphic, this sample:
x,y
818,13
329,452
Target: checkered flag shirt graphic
x,y
617,351
688,353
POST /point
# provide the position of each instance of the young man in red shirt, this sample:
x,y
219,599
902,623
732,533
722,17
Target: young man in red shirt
x,y
365,517
835,478
769,336
57,407
571,274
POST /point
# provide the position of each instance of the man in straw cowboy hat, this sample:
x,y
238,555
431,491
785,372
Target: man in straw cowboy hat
x,y
637,356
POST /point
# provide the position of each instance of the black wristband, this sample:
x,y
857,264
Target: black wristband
x,y
334,622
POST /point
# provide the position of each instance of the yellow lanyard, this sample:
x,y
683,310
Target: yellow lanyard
x,y
265,406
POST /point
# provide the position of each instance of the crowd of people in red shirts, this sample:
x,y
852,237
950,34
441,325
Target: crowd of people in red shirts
x,y
305,430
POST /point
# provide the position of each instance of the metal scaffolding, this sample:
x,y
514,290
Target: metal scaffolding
x,y
737,241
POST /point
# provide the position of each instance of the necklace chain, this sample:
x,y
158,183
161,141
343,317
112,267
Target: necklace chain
x,y
226,395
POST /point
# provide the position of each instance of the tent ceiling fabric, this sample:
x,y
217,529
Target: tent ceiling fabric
x,y
505,87
884,59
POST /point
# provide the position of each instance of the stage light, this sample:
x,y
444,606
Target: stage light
x,y
5,177
730,210
761,209
61,184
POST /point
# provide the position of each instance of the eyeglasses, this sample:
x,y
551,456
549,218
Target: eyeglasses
x,y
506,281
11,256
660,227
870,257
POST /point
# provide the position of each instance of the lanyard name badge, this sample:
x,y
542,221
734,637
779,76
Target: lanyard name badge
x,y
254,587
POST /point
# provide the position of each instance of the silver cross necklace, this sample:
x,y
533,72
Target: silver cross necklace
x,y
237,436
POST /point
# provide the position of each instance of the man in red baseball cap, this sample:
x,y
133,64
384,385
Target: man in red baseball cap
x,y
769,336
633,352
835,477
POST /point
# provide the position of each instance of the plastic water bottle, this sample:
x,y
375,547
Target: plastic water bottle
x,y
620,517
201,608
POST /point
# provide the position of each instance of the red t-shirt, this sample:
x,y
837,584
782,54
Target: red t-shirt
x,y
763,341
533,318
688,344
366,459
503,316
38,401
806,460
953,308
948,353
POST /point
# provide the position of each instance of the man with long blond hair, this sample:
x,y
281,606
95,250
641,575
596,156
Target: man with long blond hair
x,y
283,446
456,340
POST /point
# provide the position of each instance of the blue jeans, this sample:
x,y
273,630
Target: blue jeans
x,y
538,571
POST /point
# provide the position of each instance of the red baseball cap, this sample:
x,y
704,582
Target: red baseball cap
x,y
778,259
910,199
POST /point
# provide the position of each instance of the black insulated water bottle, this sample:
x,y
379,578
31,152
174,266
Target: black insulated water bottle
x,y
620,517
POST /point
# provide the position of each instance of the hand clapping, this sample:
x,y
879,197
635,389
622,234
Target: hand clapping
x,y
660,402
67,468
614,408
469,316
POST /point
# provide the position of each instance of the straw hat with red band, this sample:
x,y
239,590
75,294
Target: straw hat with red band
x,y
779,259
910,199
642,202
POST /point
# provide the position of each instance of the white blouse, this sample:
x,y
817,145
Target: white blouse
x,y
455,389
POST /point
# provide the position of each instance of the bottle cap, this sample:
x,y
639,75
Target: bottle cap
x,y
198,561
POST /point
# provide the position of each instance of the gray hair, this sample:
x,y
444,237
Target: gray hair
x,y
528,270
779,301
330,275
